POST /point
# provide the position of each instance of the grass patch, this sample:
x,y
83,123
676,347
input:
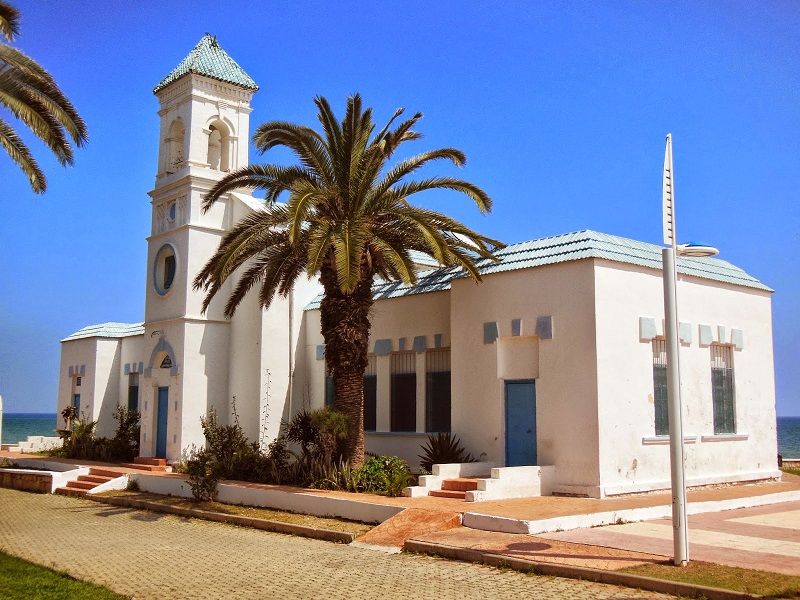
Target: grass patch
x,y
791,471
249,511
760,583
22,580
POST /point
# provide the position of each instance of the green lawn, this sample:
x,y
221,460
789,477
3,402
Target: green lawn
x,y
760,583
21,580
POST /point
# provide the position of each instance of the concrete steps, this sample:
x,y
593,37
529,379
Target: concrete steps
x,y
455,488
146,463
84,483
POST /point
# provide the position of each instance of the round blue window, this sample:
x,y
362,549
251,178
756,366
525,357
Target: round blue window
x,y
164,269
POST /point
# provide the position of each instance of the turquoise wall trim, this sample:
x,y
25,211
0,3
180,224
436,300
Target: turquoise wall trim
x,y
544,328
647,328
706,337
516,327
737,338
490,332
685,332
383,347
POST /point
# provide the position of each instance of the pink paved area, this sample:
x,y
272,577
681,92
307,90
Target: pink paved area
x,y
766,538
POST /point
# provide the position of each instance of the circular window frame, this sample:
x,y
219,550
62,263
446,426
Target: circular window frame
x,y
172,211
158,269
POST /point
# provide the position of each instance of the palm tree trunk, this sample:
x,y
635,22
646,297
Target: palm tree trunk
x,y
345,328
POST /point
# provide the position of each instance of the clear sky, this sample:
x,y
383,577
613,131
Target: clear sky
x,y
562,113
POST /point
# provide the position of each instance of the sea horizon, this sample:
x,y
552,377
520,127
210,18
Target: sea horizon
x,y
18,426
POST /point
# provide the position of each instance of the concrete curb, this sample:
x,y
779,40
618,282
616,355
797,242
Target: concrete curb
x,y
475,520
316,533
523,565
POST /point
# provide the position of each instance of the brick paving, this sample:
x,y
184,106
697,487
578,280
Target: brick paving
x,y
766,538
148,555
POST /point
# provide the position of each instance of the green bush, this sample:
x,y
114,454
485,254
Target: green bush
x,y
81,442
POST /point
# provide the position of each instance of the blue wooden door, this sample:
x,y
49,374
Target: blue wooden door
x,y
520,423
161,424
76,402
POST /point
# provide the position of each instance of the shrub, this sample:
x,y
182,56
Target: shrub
x,y
443,448
124,445
321,434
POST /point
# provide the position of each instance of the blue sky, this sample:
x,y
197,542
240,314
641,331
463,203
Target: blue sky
x,y
562,113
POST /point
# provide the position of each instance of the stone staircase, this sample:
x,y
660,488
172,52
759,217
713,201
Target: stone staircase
x,y
81,486
34,443
144,463
477,482
455,488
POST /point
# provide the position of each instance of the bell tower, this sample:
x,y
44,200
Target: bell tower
x,y
204,133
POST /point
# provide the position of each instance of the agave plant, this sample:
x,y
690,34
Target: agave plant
x,y
443,448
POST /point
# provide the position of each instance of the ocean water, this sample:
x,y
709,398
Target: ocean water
x,y
789,437
18,426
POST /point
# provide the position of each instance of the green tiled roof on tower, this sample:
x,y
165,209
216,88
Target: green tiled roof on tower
x,y
209,59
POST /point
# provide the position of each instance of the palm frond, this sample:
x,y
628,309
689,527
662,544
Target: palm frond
x,y
9,21
21,154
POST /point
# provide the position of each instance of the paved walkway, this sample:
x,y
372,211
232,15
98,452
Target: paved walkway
x,y
766,538
148,555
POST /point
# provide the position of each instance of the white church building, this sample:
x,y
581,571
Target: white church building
x,y
558,358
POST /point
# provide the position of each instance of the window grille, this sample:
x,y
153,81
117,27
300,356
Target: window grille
x,y
437,390
403,391
371,394
660,398
722,389
133,392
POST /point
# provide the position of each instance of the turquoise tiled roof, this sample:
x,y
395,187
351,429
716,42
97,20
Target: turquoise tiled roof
x,y
567,247
209,59
107,330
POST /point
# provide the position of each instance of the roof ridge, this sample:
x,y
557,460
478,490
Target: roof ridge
x,y
209,59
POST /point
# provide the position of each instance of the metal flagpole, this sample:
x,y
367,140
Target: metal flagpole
x,y
680,534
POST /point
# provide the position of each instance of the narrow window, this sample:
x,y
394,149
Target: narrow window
x,y
133,392
722,389
660,386
169,271
329,390
404,392
77,382
371,394
437,390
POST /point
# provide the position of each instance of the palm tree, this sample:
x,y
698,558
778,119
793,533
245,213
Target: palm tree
x,y
348,219
31,94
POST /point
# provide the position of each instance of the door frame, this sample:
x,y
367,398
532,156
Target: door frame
x,y
158,429
505,419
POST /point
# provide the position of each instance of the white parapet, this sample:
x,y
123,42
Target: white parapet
x,y
441,472
515,482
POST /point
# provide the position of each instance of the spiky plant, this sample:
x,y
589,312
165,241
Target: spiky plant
x,y
31,95
443,448
347,219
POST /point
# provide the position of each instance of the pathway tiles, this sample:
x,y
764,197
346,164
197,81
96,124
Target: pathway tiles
x,y
765,538
153,556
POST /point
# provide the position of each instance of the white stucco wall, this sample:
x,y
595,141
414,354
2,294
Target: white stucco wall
x,y
566,410
629,460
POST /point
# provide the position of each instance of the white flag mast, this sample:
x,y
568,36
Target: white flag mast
x,y
680,535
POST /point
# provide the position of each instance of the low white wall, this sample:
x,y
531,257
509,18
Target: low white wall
x,y
298,502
